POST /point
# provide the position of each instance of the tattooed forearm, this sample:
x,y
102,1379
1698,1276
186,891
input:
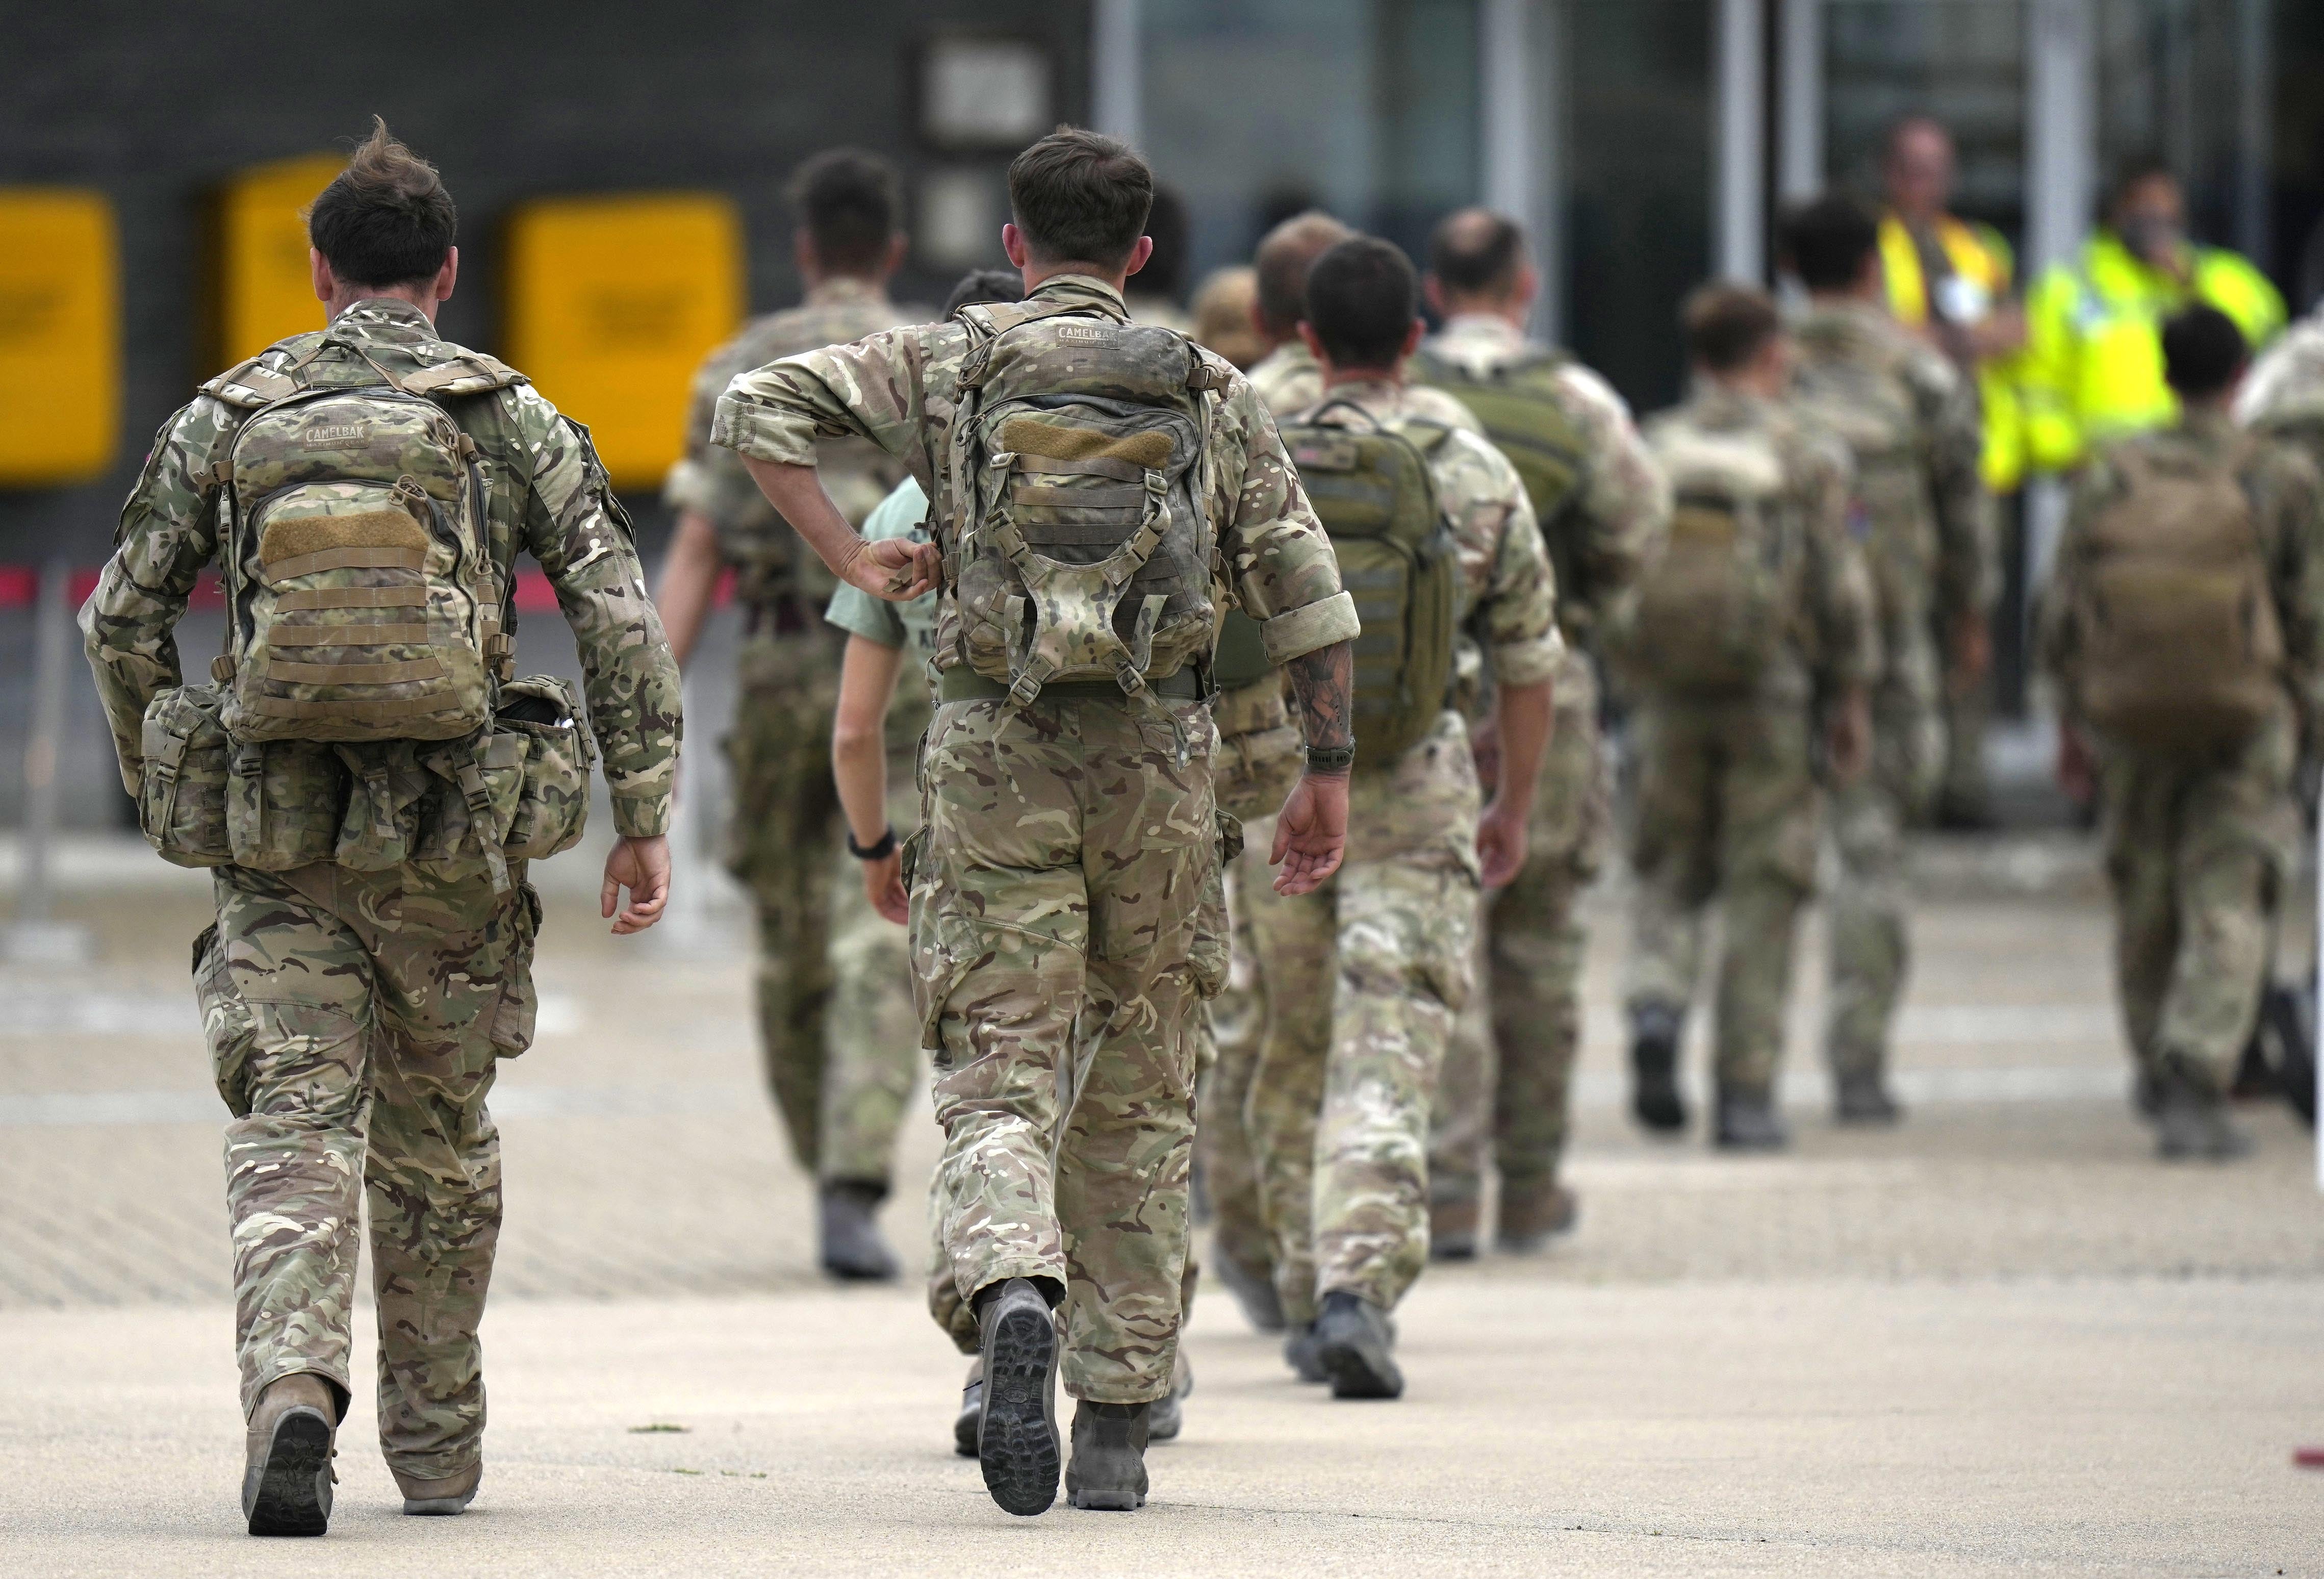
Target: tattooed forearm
x,y
1324,680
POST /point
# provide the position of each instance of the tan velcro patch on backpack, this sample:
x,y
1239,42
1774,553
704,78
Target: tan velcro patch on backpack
x,y
295,537
1150,449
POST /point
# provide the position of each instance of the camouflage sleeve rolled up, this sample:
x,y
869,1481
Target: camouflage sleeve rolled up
x,y
1515,590
709,480
1840,601
1969,563
1276,554
1623,510
873,388
577,531
167,536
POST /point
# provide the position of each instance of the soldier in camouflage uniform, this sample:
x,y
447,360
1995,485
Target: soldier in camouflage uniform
x,y
1059,922
372,958
2283,397
1910,420
1603,506
1727,798
2200,834
1364,975
839,1095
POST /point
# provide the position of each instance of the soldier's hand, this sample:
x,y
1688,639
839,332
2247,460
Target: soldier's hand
x,y
1848,738
1501,843
1485,749
883,883
895,568
642,866
1312,833
2075,775
1972,653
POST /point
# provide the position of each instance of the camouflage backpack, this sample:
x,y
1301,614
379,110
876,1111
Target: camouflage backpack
x,y
1372,489
2181,647
1716,608
1517,403
1073,506
362,600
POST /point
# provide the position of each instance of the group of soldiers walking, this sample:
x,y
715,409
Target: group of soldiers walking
x,y
1251,761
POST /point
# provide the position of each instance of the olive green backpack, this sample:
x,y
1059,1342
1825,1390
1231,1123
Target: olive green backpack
x,y
1517,403
1372,489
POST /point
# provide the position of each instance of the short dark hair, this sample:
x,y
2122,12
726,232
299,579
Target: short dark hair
x,y
845,198
385,219
2202,351
979,286
1363,297
1167,227
1827,239
1726,324
1080,197
1284,255
1476,251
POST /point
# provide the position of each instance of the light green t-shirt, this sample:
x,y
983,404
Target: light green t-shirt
x,y
911,626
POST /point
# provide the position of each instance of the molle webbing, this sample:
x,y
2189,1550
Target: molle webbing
x,y
329,597
1150,450
393,671
405,707
345,559
348,635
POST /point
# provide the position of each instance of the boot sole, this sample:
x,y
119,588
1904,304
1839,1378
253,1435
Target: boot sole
x,y
1017,1445
1109,1501
1659,1113
1355,1374
293,1495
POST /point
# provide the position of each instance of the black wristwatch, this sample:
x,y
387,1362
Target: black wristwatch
x,y
1330,758
878,852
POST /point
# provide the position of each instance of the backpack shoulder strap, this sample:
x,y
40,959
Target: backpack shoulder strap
x,y
250,385
469,373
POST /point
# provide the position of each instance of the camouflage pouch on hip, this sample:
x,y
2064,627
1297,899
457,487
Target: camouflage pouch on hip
x,y
542,714
186,758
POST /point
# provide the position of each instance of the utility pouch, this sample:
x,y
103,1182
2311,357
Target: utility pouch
x,y
539,718
282,805
185,756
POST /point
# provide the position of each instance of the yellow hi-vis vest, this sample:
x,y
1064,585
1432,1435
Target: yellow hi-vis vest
x,y
2094,353
1983,266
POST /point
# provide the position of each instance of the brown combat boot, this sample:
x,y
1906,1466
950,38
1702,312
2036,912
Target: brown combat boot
x,y
440,1499
287,1475
1532,1215
1452,1230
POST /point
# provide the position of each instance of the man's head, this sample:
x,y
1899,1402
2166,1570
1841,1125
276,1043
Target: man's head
x,y
2204,355
1833,245
1078,203
2147,210
1916,167
384,227
1284,255
1735,338
1477,264
1363,309
1224,310
846,203
978,287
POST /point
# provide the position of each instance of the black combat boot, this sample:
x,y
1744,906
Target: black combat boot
x,y
1353,1340
1299,1352
1167,1415
1108,1475
971,1418
1747,1122
1862,1098
1254,1291
1018,1443
853,1249
1655,1097
2191,1120
287,1475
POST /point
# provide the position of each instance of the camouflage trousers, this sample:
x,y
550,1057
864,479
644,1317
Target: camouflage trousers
x,y
1068,920
354,1019
1871,952
2196,855
871,1038
1363,977
1234,1027
780,843
1505,1086
1727,812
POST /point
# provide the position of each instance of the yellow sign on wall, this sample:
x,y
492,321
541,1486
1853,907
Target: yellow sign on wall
x,y
60,336
265,290
613,303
